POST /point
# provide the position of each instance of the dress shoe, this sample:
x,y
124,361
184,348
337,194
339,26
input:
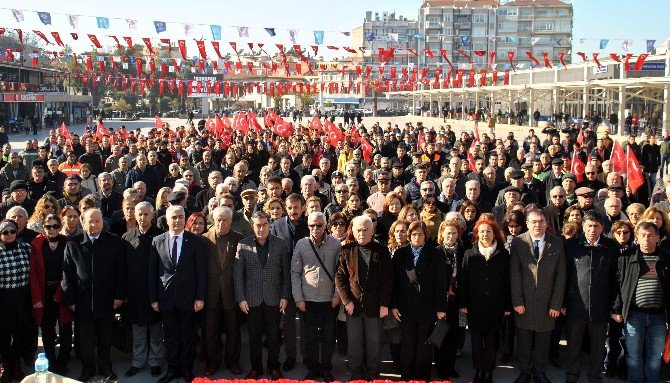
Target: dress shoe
x,y
111,377
253,374
211,370
541,379
478,377
312,375
170,375
487,377
327,376
132,371
276,374
523,378
188,377
236,369
288,365
156,371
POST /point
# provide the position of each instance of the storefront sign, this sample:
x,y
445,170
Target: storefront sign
x,y
23,97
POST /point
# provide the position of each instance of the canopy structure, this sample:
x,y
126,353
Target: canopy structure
x,y
579,89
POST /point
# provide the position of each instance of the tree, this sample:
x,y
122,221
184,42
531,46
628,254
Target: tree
x,y
277,100
175,104
306,99
122,105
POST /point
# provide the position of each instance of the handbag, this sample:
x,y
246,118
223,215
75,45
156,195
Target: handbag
x,y
122,334
440,330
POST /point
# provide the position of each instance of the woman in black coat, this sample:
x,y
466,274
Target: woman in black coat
x,y
453,249
484,294
420,286
15,301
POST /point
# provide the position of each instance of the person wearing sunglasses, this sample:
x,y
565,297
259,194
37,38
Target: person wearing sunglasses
x,y
313,267
46,272
15,300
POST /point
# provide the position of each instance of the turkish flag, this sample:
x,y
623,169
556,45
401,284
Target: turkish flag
x,y
618,158
270,118
222,124
635,177
335,135
101,131
240,123
62,130
367,149
421,141
158,123
282,128
471,162
210,125
252,119
316,124
577,167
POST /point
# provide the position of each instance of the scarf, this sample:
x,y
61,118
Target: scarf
x,y
487,252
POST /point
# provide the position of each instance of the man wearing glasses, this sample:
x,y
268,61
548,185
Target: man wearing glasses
x,y
341,197
376,199
555,209
313,267
591,180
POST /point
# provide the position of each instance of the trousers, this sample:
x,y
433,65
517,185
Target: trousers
x,y
95,340
597,333
148,345
264,319
214,316
533,361
320,315
364,340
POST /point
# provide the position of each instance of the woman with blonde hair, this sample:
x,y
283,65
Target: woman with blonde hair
x,y
659,218
450,244
431,216
397,239
275,208
633,212
392,206
409,213
45,206
162,201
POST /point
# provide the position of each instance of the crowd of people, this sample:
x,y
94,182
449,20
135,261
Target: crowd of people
x,y
188,237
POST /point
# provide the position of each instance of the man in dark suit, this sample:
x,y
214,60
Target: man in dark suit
x,y
221,246
537,274
108,199
177,292
291,229
94,306
147,326
262,284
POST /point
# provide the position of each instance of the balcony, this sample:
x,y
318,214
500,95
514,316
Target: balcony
x,y
433,38
463,25
433,24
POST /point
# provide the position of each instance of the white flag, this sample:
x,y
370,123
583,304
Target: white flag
x,y
132,24
18,15
627,45
293,33
394,37
534,40
243,31
187,29
74,21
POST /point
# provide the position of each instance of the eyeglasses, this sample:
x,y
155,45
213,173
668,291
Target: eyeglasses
x,y
315,226
9,232
188,176
374,219
342,191
339,223
427,189
383,181
429,203
590,173
622,232
558,196
50,227
49,207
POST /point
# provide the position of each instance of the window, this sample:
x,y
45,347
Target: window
x,y
479,31
448,32
507,26
447,17
507,12
525,14
544,25
479,46
544,13
480,18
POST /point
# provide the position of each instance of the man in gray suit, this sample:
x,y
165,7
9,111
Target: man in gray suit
x,y
262,282
538,284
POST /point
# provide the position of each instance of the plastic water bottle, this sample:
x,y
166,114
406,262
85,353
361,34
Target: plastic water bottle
x,y
41,368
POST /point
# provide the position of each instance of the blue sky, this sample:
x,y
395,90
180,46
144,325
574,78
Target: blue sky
x,y
594,20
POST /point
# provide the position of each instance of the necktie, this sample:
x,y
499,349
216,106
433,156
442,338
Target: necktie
x,y
536,248
174,251
92,240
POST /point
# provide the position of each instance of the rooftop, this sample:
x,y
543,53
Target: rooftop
x,y
459,3
530,3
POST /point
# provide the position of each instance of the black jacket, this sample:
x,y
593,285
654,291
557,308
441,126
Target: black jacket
x,y
138,247
628,274
177,287
422,296
109,204
591,285
94,275
280,229
484,288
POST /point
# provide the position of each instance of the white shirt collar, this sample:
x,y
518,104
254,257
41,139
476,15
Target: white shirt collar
x,y
541,239
180,235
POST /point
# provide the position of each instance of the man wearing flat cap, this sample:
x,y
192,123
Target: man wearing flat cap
x,y
555,177
585,198
18,196
242,217
569,183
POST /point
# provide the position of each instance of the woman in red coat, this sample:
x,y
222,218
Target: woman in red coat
x,y
46,271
